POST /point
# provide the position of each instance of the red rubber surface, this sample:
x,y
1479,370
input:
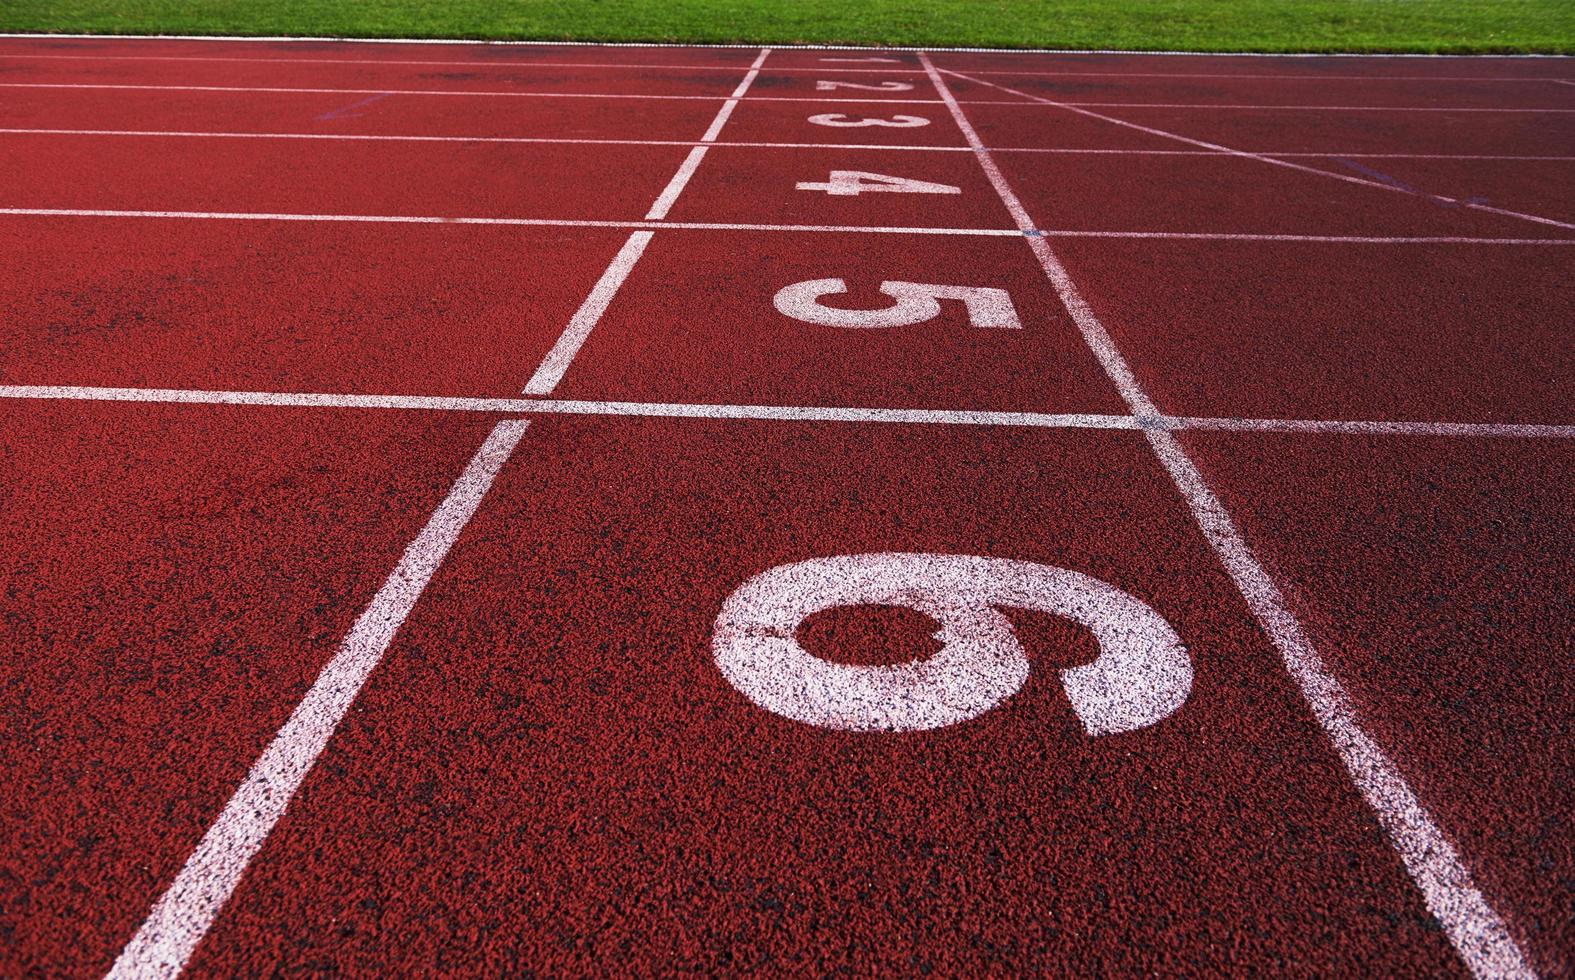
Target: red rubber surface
x,y
554,745
1435,575
547,772
1323,331
167,599
286,306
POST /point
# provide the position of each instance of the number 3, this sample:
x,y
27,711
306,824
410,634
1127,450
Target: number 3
x,y
841,120
1141,675
917,302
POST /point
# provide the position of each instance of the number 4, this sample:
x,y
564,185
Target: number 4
x,y
850,183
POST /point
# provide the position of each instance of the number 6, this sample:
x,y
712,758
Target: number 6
x,y
1141,676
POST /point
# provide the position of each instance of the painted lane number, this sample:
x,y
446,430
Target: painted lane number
x,y
916,302
850,183
1141,675
842,120
830,86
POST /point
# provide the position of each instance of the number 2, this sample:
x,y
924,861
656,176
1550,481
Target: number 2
x,y
824,86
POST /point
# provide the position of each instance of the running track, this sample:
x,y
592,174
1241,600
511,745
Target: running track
x,y
466,511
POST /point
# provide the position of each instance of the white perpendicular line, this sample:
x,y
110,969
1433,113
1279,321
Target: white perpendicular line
x,y
899,147
180,918
1262,157
653,225
1475,929
553,366
551,370
780,413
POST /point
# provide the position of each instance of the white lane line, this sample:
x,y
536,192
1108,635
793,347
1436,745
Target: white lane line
x,y
1273,161
664,202
1025,52
779,413
372,62
1476,930
186,911
504,93
653,225
183,914
487,93
1468,430
551,370
579,141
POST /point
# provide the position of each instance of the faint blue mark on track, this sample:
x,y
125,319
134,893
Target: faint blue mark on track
x,y
1400,185
348,111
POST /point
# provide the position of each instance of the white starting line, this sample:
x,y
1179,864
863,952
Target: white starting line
x,y
662,224
783,413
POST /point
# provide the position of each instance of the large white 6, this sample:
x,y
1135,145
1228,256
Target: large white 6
x,y
916,302
1141,675
841,119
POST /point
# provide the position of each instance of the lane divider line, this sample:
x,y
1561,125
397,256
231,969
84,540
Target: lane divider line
x,y
1265,158
471,63
1477,932
782,413
731,226
1031,102
911,147
180,918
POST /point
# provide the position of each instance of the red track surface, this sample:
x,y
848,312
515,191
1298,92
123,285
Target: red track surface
x,y
549,769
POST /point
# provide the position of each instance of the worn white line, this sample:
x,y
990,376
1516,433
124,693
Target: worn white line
x,y
587,316
1468,430
1026,52
1276,161
586,141
183,914
476,93
506,93
551,370
509,65
653,225
780,413
1476,930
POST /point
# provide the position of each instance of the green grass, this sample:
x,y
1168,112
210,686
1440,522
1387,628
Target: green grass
x,y
1459,26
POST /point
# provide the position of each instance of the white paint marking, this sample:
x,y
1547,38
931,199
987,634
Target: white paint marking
x,y
551,370
727,226
783,413
1141,675
183,914
1264,158
843,121
827,85
1475,929
512,65
852,183
910,147
585,318
987,307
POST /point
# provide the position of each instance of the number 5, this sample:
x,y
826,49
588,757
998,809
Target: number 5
x,y
1141,675
916,303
